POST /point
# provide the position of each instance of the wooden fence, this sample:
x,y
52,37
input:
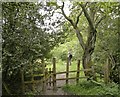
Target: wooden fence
x,y
49,76
67,72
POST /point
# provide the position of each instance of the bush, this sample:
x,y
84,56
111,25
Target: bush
x,y
63,56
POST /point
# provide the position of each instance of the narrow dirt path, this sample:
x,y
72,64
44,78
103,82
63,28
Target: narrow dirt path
x,y
59,91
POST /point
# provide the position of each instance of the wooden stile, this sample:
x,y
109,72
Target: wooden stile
x,y
33,86
94,75
78,71
43,68
22,80
119,76
67,70
106,73
46,74
50,76
54,74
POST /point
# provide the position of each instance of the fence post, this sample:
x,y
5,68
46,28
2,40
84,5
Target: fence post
x,y
119,77
78,71
33,88
106,72
43,68
50,76
33,85
54,74
22,80
67,70
46,75
94,75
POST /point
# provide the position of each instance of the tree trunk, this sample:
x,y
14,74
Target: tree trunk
x,y
89,46
80,38
89,49
91,39
86,59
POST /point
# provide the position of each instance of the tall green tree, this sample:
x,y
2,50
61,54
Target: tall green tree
x,y
25,39
107,44
90,11
93,13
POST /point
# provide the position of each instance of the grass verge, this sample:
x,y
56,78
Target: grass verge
x,y
90,88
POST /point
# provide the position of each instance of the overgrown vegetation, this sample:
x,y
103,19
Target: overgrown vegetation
x,y
36,32
90,88
24,41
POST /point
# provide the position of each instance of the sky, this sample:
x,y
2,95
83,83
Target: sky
x,y
55,15
67,3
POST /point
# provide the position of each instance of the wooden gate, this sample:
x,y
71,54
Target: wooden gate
x,y
49,76
53,80
43,77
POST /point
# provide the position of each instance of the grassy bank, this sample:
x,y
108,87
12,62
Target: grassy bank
x,y
90,88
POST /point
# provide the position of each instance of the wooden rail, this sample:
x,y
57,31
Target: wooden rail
x,y
22,81
49,75
74,71
70,78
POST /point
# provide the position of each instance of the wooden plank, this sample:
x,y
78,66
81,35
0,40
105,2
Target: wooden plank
x,y
78,71
39,81
60,72
119,77
67,70
73,71
94,74
46,73
54,74
43,68
50,76
72,78
22,80
36,75
31,82
33,85
106,73
28,82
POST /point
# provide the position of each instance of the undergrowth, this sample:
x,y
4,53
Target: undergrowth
x,y
90,88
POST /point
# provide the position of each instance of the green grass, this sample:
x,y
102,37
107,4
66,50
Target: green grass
x,y
90,88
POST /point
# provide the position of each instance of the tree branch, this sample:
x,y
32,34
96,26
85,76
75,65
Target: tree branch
x,y
70,20
79,15
78,34
78,18
80,38
87,17
96,25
